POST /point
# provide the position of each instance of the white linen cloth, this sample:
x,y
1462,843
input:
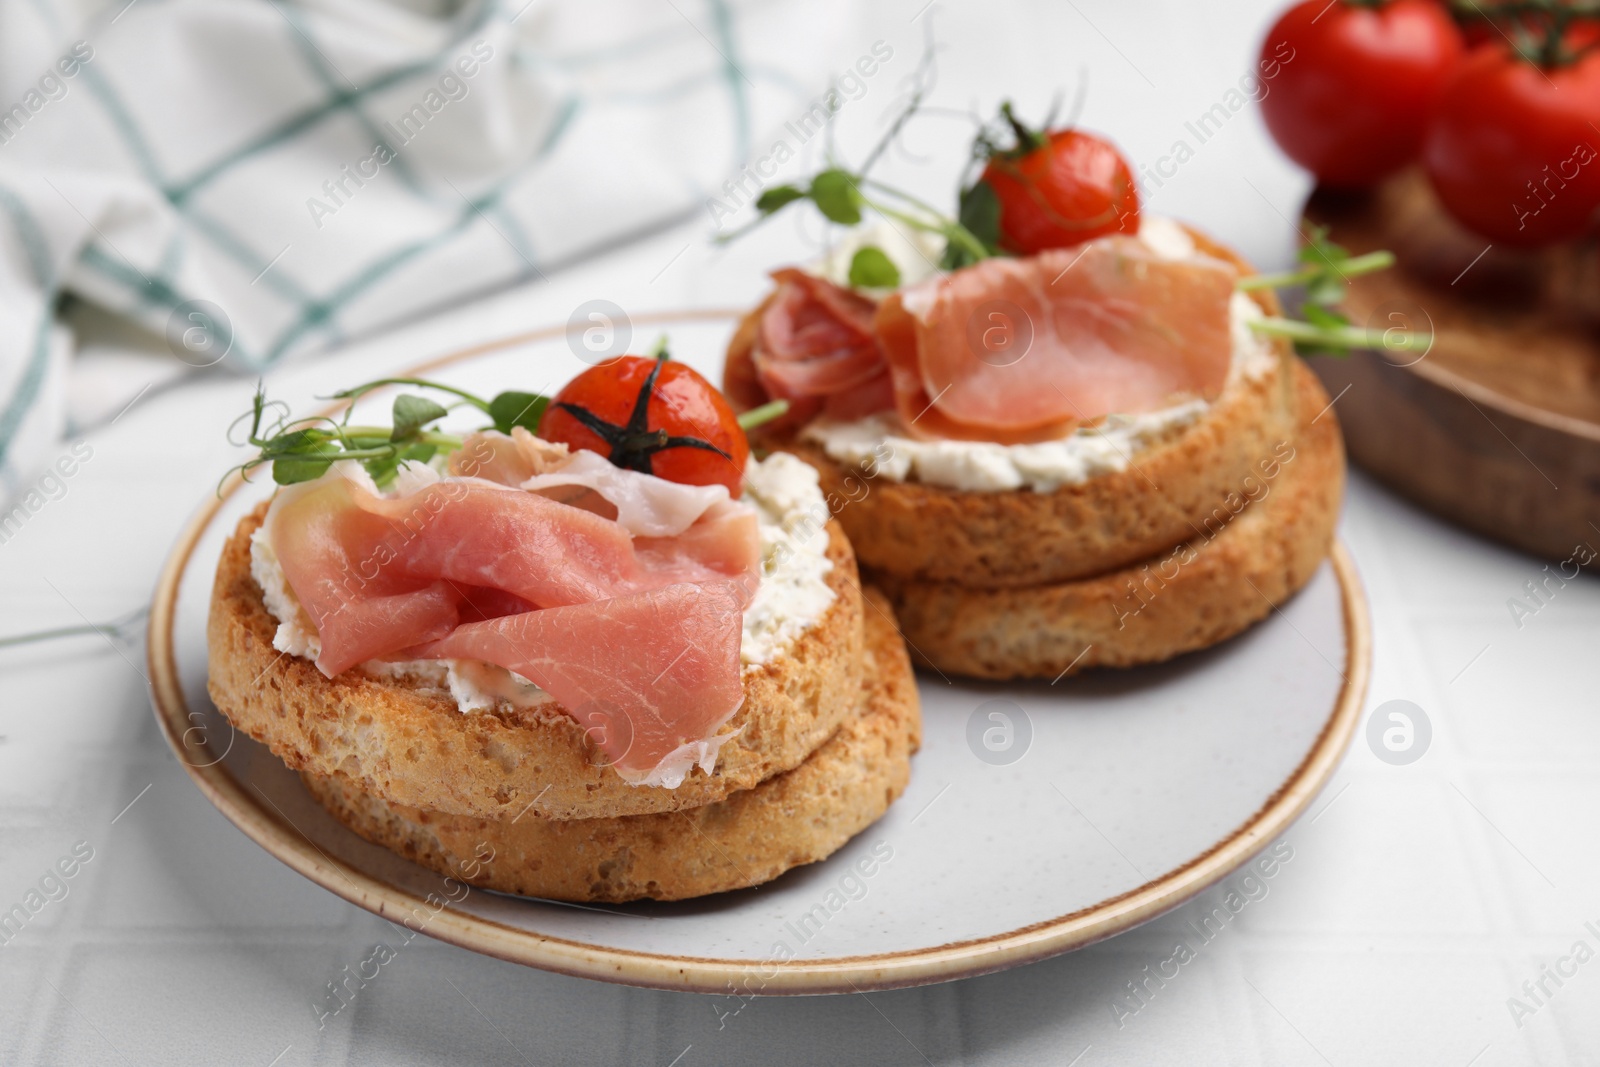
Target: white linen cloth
x,y
310,171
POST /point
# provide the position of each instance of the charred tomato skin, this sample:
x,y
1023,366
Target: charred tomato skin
x,y
682,405
1071,189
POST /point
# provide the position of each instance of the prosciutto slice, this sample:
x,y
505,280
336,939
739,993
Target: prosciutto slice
x,y
645,673
377,575
815,339
371,627
1015,350
620,594
506,459
646,507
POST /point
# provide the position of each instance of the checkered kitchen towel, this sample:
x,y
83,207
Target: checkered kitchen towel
x,y
276,176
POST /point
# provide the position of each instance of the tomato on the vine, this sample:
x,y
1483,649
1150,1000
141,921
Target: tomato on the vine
x,y
1352,100
1512,152
1059,188
651,415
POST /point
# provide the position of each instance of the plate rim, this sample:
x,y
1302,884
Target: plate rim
x,y
276,834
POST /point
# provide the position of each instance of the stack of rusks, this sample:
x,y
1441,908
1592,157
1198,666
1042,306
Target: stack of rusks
x,y
470,769
623,651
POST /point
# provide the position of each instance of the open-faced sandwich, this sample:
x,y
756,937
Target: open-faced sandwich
x,y
1074,436
594,651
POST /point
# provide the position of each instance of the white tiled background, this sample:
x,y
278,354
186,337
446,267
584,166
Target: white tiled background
x,y
1419,898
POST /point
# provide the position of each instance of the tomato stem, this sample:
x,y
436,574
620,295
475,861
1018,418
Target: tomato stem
x,y
1544,44
1028,140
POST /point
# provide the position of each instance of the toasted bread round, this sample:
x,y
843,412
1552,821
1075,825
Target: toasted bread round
x,y
413,746
1260,545
751,837
1012,538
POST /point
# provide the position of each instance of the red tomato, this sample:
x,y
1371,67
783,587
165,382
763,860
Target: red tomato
x,y
684,431
1512,151
1072,189
1356,85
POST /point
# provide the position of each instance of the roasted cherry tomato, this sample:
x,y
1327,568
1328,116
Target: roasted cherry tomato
x,y
1059,189
1512,151
1356,84
654,416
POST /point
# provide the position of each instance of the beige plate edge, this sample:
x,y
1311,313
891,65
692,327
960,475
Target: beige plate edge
x,y
837,975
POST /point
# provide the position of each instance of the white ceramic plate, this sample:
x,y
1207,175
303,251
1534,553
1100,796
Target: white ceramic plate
x,y
1121,795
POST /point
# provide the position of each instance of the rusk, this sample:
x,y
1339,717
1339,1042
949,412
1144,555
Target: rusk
x,y
1251,553
748,838
413,746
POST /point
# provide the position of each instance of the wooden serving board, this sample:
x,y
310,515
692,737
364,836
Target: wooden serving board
x,y
1497,427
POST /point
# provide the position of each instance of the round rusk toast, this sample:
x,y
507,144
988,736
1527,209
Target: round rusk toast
x,y
1019,538
797,817
1261,544
412,745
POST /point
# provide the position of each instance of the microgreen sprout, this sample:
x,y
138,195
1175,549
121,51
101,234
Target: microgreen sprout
x,y
1323,329
301,450
841,193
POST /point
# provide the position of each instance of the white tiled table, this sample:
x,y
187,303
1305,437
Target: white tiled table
x,y
1419,898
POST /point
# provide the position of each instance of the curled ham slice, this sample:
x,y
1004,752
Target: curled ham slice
x,y
369,627
646,507
479,602
627,608
506,459
726,540
815,340
1115,328
645,673
684,529
377,575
